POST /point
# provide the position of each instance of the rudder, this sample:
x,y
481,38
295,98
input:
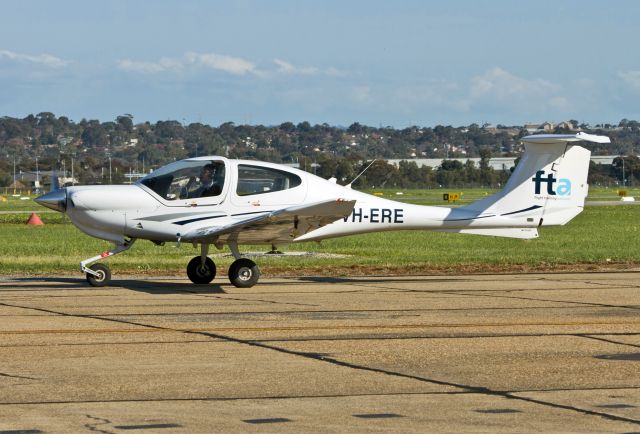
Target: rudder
x,y
549,184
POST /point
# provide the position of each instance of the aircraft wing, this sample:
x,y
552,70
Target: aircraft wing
x,y
283,225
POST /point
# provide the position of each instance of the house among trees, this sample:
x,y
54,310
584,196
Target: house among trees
x,y
17,185
545,127
567,125
549,127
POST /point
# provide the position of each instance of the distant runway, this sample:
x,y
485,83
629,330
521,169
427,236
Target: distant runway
x,y
499,353
609,203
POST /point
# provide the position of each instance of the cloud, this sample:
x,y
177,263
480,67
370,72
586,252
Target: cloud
x,y
631,78
232,65
41,59
494,93
500,90
501,84
219,62
228,64
288,68
334,72
164,64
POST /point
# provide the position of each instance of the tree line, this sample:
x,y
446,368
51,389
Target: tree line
x,y
328,151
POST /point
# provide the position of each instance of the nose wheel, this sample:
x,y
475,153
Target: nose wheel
x,y
200,272
244,273
99,274
102,275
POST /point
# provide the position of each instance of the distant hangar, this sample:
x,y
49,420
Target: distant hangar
x,y
496,163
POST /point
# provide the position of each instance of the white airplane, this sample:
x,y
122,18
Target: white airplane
x,y
216,201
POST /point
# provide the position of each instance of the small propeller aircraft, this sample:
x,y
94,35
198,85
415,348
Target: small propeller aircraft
x,y
216,201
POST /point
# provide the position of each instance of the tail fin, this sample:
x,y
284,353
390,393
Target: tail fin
x,y
549,184
55,181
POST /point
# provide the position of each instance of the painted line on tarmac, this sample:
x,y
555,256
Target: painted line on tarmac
x,y
301,328
336,362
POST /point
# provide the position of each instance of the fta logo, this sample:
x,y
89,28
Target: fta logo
x,y
562,189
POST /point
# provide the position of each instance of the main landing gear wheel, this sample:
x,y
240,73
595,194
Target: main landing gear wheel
x,y
244,273
200,273
102,279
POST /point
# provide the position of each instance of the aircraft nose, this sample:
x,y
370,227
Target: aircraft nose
x,y
55,200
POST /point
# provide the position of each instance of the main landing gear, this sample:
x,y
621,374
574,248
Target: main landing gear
x,y
201,269
243,272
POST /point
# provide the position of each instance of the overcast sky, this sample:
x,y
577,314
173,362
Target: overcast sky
x,y
395,63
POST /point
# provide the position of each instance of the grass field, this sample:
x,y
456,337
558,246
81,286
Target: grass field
x,y
603,236
420,196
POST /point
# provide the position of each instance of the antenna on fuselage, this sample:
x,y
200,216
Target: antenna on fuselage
x,y
359,174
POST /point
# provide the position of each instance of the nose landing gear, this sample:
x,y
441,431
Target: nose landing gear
x,y
102,276
99,274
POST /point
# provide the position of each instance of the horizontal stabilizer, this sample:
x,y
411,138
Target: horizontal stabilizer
x,y
554,139
521,233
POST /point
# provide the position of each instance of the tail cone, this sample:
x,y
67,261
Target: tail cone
x,y
34,220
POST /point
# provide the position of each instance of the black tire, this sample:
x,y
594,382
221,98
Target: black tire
x,y
201,274
102,279
244,273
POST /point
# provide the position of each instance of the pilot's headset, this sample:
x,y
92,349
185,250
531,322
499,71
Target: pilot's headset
x,y
217,173
211,168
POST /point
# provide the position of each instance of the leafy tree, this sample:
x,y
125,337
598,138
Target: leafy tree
x,y
94,136
288,127
629,166
125,123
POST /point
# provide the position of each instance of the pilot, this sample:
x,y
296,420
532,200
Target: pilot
x,y
208,185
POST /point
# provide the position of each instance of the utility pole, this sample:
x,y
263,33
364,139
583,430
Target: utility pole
x,y
37,175
72,178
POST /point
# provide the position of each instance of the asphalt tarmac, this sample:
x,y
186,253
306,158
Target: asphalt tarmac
x,y
478,353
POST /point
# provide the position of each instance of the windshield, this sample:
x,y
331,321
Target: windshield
x,y
187,179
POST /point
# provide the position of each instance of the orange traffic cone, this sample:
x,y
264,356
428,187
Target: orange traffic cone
x,y
34,219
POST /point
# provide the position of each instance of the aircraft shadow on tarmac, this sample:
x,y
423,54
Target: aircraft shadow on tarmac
x,y
158,287
147,286
377,279
186,287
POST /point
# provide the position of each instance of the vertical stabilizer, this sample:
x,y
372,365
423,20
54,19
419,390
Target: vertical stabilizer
x,y
549,184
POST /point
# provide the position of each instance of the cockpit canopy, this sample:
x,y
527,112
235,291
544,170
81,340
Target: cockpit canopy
x,y
187,179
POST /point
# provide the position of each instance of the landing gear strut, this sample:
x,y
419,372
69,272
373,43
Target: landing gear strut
x,y
201,269
99,274
243,272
